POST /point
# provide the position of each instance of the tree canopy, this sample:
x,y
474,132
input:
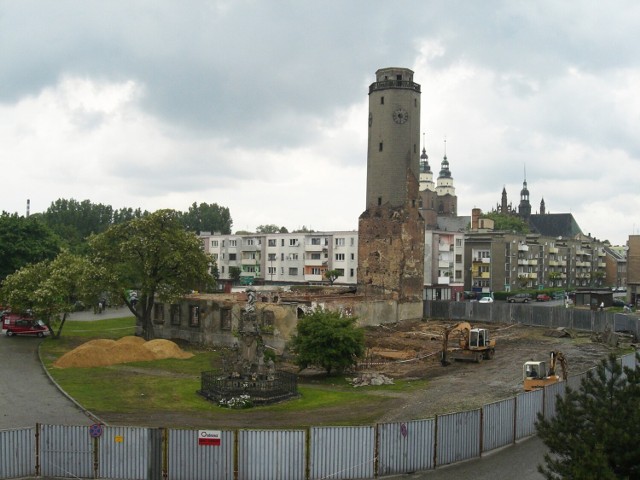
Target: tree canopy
x,y
24,240
271,228
207,217
595,432
508,223
327,340
52,288
155,256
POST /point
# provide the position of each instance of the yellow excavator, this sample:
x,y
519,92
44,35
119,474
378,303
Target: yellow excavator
x,y
539,374
474,344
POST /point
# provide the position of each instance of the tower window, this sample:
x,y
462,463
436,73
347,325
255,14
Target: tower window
x,y
381,100
380,147
415,102
414,148
379,201
398,77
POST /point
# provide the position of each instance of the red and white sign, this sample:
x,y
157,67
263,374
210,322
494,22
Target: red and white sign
x,y
209,437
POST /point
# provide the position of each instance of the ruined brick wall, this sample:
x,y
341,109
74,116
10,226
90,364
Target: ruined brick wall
x,y
391,252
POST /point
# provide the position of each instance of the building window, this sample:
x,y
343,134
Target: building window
x,y
340,272
351,272
293,256
272,257
194,316
272,270
379,201
272,242
225,319
233,243
316,271
293,271
282,257
352,241
175,315
381,100
215,256
249,241
214,243
380,147
353,256
316,256
232,257
458,258
268,319
158,313
315,241
293,242
340,257
458,242
340,242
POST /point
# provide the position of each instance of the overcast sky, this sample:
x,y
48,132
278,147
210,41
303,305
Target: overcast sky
x,y
261,106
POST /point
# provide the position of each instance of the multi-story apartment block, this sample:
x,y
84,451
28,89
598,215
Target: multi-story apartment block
x,y
503,261
616,266
285,257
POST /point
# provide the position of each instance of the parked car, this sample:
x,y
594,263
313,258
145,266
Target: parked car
x,y
543,297
486,300
559,295
618,302
14,324
519,298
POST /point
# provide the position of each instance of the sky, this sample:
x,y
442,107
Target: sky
x,y
261,106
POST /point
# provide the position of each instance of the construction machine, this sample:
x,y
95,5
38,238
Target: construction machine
x,y
538,374
474,344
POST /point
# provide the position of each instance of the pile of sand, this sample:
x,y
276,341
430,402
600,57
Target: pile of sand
x,y
102,352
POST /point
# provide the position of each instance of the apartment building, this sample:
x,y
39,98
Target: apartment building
x,y
285,257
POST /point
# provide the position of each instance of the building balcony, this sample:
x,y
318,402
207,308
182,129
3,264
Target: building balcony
x,y
444,247
533,262
444,280
314,263
250,261
314,248
523,261
533,275
602,265
444,264
553,249
523,248
313,278
553,263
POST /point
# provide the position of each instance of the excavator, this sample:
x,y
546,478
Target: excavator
x,y
538,375
474,344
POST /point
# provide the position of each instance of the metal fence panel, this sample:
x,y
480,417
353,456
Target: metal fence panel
x,y
629,360
17,453
551,393
342,452
498,424
405,447
574,381
271,454
458,437
540,317
459,310
440,309
528,405
582,319
66,451
124,453
189,461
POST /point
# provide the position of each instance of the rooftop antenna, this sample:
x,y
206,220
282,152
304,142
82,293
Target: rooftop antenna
x,y
28,206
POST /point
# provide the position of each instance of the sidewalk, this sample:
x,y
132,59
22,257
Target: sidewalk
x,y
110,312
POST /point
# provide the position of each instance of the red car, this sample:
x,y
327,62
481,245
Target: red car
x,y
15,324
543,297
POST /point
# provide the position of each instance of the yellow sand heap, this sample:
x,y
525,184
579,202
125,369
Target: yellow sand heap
x,y
102,352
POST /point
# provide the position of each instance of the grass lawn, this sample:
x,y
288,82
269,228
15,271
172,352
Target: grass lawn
x,y
169,386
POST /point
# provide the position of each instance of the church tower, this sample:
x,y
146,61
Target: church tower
x,y
391,229
447,200
428,194
524,209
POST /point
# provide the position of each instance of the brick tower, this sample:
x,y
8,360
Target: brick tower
x,y
391,229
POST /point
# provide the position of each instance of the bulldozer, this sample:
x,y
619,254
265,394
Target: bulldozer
x,y
474,344
538,374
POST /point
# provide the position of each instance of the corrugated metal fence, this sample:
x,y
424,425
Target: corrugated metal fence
x,y
135,453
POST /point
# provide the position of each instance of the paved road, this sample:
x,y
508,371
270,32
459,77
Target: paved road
x,y
27,395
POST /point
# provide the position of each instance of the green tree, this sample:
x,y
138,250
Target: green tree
x,y
74,221
271,228
154,255
52,288
207,217
332,275
508,223
24,240
234,274
327,340
594,434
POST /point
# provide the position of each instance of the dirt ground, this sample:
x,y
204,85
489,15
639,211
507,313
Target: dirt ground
x,y
412,352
